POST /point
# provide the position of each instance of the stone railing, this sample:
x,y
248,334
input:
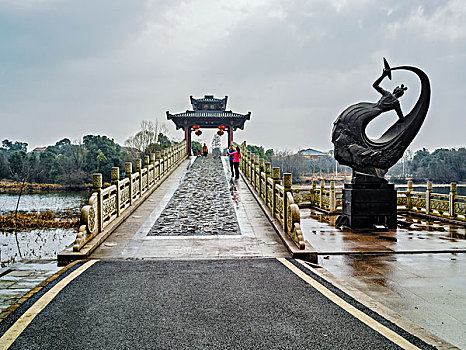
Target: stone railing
x,y
277,196
329,198
319,196
107,204
447,206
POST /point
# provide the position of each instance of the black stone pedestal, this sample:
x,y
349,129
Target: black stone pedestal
x,y
366,205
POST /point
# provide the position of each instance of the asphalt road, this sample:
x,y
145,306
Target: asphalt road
x,y
203,304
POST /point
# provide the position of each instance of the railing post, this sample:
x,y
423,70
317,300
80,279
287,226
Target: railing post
x,y
152,161
313,192
256,172
115,181
261,170
409,204
452,200
332,199
321,193
287,183
276,180
253,171
97,187
428,195
243,160
128,173
146,165
250,167
268,173
139,169
170,160
158,155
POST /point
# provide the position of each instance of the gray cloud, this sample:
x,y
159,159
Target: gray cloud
x,y
72,68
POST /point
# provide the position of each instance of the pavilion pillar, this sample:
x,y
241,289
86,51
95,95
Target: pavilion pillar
x,y
187,137
230,136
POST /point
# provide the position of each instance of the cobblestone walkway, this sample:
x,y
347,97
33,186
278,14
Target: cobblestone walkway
x,y
201,205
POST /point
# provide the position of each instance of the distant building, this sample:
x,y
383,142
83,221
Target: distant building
x,y
39,149
311,153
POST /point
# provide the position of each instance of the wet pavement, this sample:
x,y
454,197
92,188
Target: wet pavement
x,y
413,277
255,237
201,205
420,236
20,280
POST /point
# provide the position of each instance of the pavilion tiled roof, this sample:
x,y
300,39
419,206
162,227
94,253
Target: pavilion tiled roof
x,y
212,114
209,112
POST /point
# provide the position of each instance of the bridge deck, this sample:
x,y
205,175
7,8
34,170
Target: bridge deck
x,y
132,240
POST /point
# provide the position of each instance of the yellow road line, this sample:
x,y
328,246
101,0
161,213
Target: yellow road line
x,y
386,332
20,325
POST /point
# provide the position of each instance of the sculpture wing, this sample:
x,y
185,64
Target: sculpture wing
x,y
402,133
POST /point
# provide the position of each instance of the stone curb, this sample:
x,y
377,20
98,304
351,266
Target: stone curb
x,y
65,256
308,254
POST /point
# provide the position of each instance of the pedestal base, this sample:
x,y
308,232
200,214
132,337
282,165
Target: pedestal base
x,y
368,206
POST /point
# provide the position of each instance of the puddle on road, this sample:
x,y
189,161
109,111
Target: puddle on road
x,y
414,234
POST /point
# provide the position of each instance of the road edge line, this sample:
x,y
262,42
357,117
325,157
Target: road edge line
x,y
9,337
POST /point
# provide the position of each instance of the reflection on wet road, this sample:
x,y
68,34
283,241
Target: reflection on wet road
x,y
428,288
420,236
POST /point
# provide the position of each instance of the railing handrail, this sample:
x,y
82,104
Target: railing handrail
x,y
106,204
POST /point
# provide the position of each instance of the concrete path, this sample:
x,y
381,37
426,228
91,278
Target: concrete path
x,y
255,237
422,277
198,304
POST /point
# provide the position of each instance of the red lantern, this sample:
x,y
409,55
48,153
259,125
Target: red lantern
x,y
196,127
222,127
220,132
198,132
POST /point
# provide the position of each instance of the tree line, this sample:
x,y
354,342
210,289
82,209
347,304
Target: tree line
x,y
439,166
73,163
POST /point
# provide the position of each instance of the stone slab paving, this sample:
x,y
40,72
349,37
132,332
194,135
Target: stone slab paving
x,y
19,279
201,205
255,237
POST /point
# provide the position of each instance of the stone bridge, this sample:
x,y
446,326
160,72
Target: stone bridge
x,y
177,253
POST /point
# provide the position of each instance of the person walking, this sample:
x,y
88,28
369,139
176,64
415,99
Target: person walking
x,y
231,153
236,158
204,150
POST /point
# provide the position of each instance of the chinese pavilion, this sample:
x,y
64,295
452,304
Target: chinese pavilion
x,y
208,112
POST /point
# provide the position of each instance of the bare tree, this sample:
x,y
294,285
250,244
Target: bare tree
x,y
146,138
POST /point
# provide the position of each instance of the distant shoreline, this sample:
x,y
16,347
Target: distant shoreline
x,y
11,187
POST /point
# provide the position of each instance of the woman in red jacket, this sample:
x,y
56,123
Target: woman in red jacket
x,y
236,158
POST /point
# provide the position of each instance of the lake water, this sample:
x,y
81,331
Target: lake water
x,y
443,189
55,202
38,244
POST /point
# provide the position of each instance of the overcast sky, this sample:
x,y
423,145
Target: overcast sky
x,y
71,68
